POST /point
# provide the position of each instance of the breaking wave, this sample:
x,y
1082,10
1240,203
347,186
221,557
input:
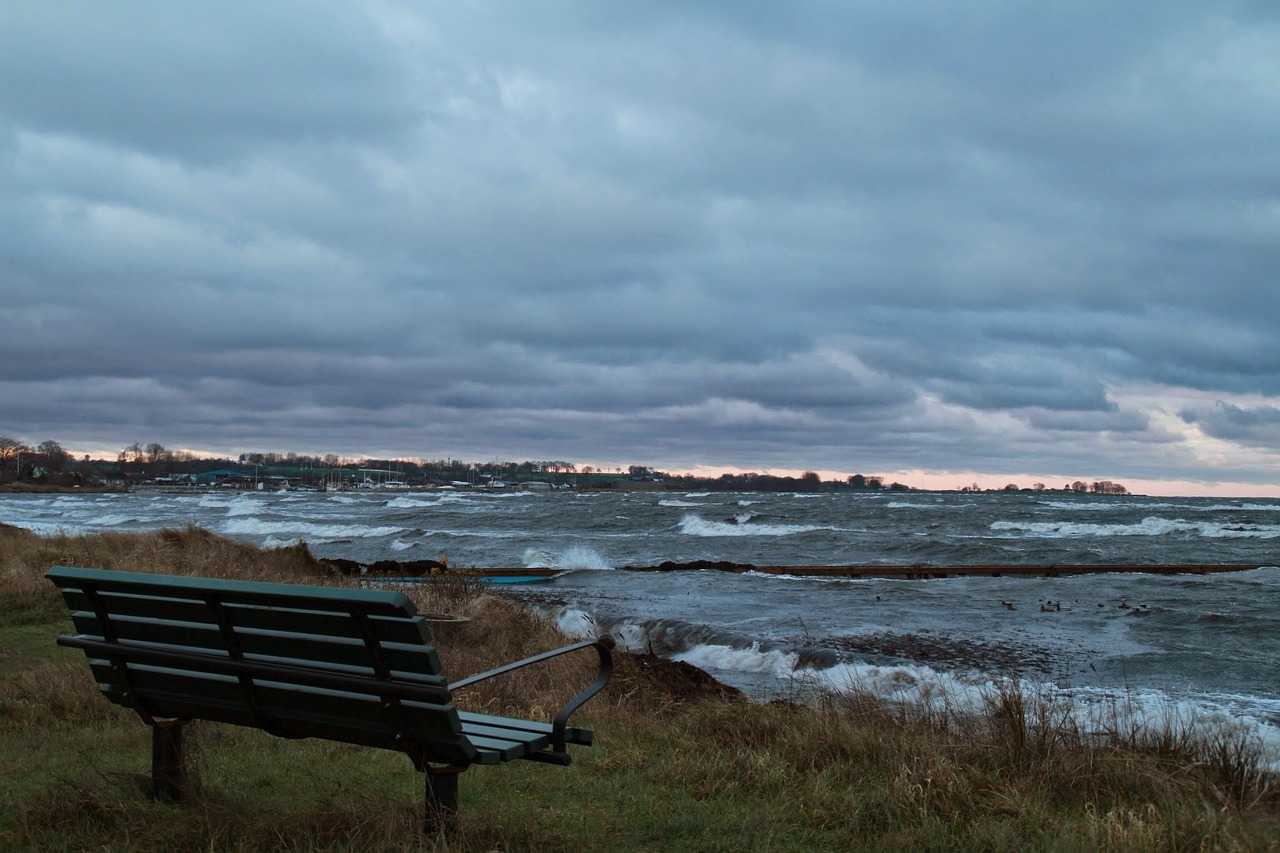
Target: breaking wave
x,y
746,663
1150,526
575,558
258,527
695,525
409,502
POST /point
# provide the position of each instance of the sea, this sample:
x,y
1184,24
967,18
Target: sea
x,y
1129,651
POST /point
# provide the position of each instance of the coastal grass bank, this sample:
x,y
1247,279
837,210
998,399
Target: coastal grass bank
x,y
680,761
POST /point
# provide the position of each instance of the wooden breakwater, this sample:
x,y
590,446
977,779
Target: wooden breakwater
x,y
920,571
993,571
900,571
910,571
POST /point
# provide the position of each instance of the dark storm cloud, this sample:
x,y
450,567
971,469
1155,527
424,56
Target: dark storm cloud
x,y
875,236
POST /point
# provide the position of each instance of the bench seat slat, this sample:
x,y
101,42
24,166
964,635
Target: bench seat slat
x,y
388,629
276,644
572,734
495,750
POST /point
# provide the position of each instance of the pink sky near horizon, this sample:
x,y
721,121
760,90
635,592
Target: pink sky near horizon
x,y
917,479
956,480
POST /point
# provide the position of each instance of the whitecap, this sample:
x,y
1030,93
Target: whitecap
x,y
575,558
258,527
577,624
273,542
694,525
1150,526
752,659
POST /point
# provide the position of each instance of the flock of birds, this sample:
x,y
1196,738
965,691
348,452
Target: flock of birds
x,y
1050,606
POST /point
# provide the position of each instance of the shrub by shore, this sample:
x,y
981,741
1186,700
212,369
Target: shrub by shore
x,y
680,762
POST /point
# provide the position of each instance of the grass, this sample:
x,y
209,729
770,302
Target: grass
x,y
677,765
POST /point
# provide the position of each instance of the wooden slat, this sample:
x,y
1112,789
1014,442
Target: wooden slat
x,y
573,735
401,628
498,747
406,686
309,648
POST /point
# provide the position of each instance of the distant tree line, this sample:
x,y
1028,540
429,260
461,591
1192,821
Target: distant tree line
x,y
49,462
1098,487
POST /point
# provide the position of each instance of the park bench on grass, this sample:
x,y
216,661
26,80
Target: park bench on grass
x,y
350,665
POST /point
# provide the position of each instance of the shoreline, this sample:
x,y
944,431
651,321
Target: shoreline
x,y
422,568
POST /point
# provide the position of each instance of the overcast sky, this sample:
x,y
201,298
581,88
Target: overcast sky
x,y
933,240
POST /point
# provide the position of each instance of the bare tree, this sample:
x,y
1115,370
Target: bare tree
x,y
55,458
9,449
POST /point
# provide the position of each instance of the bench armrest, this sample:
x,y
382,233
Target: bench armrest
x,y
603,646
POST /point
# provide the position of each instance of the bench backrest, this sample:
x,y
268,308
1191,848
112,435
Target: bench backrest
x,y
350,665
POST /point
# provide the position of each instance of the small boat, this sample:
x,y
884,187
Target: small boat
x,y
517,578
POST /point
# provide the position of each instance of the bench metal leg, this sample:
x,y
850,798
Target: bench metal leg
x,y
168,769
442,798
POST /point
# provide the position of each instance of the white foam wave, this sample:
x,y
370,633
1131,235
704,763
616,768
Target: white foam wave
x,y
245,506
1095,506
670,502
400,545
258,527
1243,508
212,501
276,542
713,657
576,558
1151,526
409,502
695,525
1094,711
577,624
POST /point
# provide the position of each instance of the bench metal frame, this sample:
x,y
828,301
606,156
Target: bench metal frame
x,y
351,665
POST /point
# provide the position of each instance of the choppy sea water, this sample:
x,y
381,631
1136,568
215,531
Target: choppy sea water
x,y
1125,648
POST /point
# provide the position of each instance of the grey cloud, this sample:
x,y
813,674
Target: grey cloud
x,y
1255,426
199,82
897,234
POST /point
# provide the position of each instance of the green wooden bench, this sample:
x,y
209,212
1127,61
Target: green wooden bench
x,y
350,665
